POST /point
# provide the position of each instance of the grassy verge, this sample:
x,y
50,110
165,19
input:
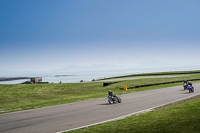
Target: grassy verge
x,y
177,73
29,96
179,118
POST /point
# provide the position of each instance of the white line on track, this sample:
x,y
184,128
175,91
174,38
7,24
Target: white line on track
x,y
122,117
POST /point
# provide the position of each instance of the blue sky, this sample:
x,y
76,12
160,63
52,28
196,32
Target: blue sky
x,y
50,34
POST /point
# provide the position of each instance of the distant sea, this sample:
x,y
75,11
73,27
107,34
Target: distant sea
x,y
87,76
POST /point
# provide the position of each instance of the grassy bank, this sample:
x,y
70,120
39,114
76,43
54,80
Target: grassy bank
x,y
176,73
179,118
29,96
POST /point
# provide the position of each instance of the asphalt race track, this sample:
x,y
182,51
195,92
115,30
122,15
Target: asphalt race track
x,y
69,116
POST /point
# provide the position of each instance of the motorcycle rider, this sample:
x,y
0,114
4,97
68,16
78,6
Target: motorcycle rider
x,y
112,98
110,93
185,84
189,83
190,87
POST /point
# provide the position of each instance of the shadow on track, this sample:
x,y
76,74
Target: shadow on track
x,y
105,104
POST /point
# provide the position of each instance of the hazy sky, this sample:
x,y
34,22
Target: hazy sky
x,y
51,34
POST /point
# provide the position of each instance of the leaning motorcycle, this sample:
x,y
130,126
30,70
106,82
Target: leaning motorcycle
x,y
114,99
185,86
190,88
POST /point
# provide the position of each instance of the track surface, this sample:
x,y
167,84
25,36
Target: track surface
x,y
68,116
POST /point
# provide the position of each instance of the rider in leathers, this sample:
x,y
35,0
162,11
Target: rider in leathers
x,y
110,93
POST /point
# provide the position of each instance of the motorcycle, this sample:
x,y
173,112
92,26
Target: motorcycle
x,y
190,88
114,99
185,86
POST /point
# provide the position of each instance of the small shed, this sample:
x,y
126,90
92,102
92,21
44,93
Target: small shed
x,y
35,80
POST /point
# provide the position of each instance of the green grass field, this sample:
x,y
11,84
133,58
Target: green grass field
x,y
17,97
176,73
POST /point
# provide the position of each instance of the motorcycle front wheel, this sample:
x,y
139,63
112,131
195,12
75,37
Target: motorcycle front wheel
x,y
119,100
110,101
